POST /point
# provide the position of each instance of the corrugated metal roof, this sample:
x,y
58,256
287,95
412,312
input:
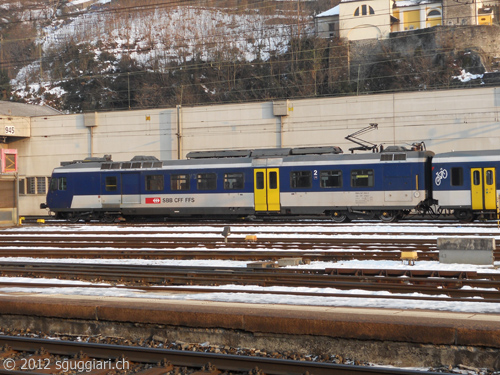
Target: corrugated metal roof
x,y
28,110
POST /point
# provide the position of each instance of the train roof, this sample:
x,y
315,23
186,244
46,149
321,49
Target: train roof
x,y
468,153
263,157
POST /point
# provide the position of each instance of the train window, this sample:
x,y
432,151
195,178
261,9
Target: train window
x,y
331,179
476,179
233,181
301,179
457,176
53,184
207,181
154,183
273,180
111,183
362,178
489,177
58,184
260,180
61,184
179,182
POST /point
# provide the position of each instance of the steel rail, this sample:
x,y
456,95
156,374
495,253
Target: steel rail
x,y
205,290
260,230
223,276
226,362
221,254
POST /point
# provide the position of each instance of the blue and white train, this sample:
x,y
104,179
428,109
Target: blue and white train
x,y
386,185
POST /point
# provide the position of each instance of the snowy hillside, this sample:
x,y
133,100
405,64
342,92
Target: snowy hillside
x,y
161,35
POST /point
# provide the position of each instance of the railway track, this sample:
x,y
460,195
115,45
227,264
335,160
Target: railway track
x,y
43,356
179,244
443,285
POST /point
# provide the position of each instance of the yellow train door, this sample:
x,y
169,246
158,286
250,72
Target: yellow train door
x,y
266,189
483,189
490,190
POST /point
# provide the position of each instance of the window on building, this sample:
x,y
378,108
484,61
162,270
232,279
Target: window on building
x,y
22,186
331,179
33,185
154,183
363,10
301,179
233,181
362,178
207,181
179,182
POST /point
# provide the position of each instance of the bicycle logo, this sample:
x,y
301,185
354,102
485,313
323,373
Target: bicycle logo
x,y
442,174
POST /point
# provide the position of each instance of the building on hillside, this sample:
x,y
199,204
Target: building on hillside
x,y
327,23
376,19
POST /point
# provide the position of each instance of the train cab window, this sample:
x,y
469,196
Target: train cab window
x,y
233,181
111,183
476,178
58,183
331,179
207,181
301,179
61,184
154,183
362,178
457,176
179,182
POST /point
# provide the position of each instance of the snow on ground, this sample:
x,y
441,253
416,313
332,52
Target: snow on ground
x,y
373,231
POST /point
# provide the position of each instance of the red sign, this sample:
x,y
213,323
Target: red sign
x,y
153,200
8,160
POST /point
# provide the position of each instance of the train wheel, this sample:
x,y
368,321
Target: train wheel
x,y
389,216
465,216
340,217
72,217
107,219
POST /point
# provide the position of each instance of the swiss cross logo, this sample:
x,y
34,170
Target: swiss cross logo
x,y
153,200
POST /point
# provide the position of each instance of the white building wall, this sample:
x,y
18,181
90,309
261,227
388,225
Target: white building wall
x,y
445,120
368,26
